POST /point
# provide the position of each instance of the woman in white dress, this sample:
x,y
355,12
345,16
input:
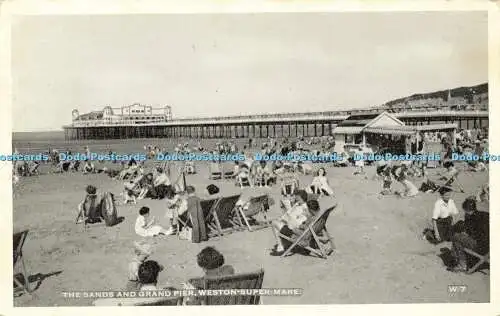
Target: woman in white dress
x,y
145,224
320,183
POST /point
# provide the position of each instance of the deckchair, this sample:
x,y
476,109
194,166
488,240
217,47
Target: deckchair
x,y
256,205
228,170
139,301
215,171
244,181
18,243
289,185
222,217
482,260
234,282
315,228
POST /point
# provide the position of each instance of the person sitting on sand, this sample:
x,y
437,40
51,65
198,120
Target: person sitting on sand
x,y
88,209
428,186
145,224
474,235
320,183
88,167
141,253
293,223
442,218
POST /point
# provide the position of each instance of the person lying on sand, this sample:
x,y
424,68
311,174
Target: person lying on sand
x,y
145,224
450,176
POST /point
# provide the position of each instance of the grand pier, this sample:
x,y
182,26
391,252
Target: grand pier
x,y
142,121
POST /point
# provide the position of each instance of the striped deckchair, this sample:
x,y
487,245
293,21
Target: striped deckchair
x,y
309,239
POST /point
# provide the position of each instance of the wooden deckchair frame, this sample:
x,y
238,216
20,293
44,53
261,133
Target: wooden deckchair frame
x,y
227,170
482,260
310,229
213,283
259,203
19,239
217,174
213,221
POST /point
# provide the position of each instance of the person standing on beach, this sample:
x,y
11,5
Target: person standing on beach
x,y
196,216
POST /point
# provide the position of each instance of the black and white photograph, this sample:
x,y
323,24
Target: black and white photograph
x,y
267,158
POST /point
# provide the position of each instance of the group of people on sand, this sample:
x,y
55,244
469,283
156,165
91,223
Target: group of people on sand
x,y
183,211
185,214
471,233
143,274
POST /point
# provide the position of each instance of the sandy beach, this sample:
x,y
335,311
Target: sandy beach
x,y
380,255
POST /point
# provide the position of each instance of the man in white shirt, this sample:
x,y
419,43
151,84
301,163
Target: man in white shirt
x,y
442,217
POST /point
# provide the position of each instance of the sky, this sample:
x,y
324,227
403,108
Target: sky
x,y
232,64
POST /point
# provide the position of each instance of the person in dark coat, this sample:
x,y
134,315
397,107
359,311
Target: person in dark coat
x,y
474,234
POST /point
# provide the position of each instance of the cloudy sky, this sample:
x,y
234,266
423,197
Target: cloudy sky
x,y
210,65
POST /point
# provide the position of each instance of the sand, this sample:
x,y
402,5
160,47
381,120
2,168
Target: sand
x,y
380,256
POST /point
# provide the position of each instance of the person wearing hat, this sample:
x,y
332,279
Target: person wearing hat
x,y
474,235
142,251
442,217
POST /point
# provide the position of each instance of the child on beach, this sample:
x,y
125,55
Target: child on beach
x,y
359,162
176,206
386,181
145,224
